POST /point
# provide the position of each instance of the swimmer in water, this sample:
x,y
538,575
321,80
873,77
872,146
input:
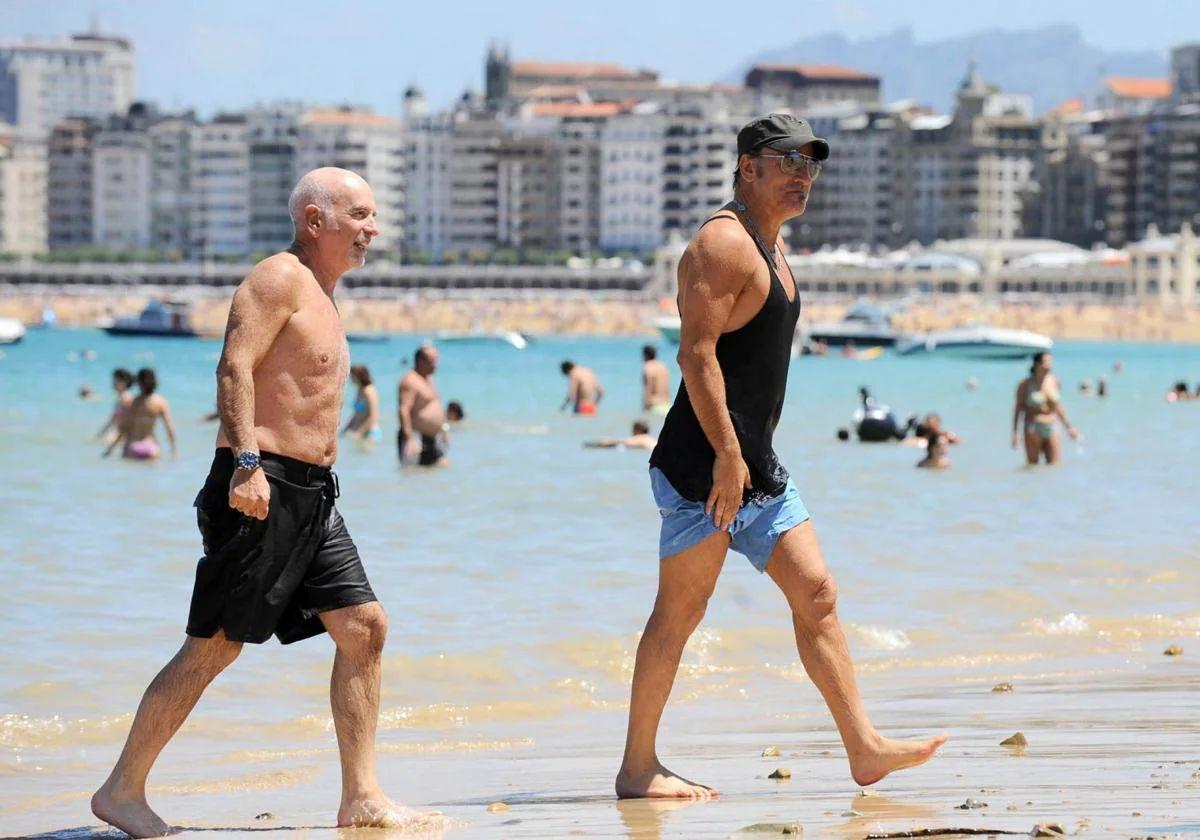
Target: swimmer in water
x,y
136,429
1039,401
584,390
364,422
639,439
656,383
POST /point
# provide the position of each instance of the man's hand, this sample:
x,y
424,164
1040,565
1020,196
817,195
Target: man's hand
x,y
249,493
1014,440
412,449
730,477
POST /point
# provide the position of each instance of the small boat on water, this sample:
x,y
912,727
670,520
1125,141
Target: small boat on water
x,y
863,325
512,338
368,338
977,342
11,330
166,318
668,327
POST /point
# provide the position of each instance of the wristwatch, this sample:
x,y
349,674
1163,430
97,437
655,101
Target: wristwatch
x,y
247,460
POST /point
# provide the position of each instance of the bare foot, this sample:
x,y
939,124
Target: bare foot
x,y
130,814
887,756
381,812
659,783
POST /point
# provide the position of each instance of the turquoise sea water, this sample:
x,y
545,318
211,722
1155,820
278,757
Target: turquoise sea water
x,y
517,579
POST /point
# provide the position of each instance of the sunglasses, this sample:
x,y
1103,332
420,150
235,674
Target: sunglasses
x,y
792,162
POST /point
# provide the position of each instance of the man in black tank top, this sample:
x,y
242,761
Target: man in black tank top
x,y
714,472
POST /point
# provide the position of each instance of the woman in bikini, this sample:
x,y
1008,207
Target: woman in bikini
x,y
364,423
122,381
136,429
1039,401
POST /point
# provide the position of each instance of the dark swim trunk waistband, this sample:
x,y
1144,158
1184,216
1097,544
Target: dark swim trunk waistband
x,y
287,468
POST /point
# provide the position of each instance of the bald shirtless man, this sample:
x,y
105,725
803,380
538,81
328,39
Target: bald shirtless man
x,y
277,556
422,435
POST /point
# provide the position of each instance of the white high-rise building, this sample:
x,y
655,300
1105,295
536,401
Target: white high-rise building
x,y
220,187
41,84
371,145
122,163
22,193
427,183
631,180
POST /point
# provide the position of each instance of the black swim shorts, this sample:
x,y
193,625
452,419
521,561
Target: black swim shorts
x,y
432,451
259,577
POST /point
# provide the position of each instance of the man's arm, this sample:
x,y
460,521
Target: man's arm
x,y
261,307
1018,410
572,392
712,275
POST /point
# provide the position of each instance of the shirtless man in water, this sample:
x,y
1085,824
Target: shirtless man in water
x,y
656,382
422,437
277,556
135,427
584,390
714,472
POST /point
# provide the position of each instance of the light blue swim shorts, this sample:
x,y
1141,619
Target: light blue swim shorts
x,y
753,532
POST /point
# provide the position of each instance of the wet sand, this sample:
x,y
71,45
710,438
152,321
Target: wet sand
x,y
1112,751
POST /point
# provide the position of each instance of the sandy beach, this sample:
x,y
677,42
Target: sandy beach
x,y
579,315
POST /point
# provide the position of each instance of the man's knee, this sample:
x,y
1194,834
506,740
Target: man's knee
x,y
818,603
209,657
362,631
680,614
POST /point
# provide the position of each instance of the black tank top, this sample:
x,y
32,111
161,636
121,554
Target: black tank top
x,y
754,363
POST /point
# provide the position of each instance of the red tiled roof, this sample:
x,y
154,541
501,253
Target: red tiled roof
x,y
576,109
575,69
816,71
345,116
1129,87
1071,106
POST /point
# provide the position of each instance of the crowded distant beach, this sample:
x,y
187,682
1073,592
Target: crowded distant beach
x,y
579,314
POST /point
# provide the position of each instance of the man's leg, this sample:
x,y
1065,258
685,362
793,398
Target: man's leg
x,y
685,583
359,633
121,800
798,568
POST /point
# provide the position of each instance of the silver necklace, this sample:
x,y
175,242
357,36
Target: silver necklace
x,y
744,211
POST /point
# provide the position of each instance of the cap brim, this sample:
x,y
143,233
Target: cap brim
x,y
820,148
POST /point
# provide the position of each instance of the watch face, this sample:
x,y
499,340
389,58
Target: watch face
x,y
247,460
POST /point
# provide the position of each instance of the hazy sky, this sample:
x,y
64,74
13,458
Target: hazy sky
x,y
210,54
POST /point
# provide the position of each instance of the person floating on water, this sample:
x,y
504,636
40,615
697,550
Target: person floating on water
x,y
423,436
640,438
1180,392
364,422
714,473
584,390
136,427
454,412
278,558
1039,401
656,383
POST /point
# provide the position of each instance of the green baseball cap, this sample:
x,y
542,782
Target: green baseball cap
x,y
781,132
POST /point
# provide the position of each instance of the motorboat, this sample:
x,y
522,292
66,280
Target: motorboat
x,y
160,318
11,330
512,338
668,327
977,342
863,325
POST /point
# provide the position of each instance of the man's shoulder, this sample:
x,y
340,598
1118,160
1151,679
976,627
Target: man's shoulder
x,y
722,241
277,274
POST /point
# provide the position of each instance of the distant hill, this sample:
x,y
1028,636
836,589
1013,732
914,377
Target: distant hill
x,y
1051,63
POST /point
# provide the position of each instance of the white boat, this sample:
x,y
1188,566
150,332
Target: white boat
x,y
978,342
159,318
864,325
11,330
668,327
512,338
